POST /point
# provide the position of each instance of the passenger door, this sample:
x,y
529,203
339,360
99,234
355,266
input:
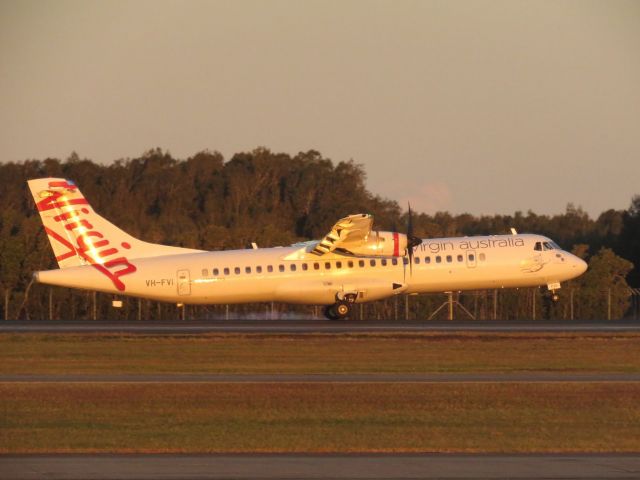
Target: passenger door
x,y
184,282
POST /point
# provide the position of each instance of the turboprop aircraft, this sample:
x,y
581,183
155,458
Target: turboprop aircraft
x,y
352,264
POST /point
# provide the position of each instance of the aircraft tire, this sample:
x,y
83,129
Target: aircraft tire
x,y
329,313
337,311
342,309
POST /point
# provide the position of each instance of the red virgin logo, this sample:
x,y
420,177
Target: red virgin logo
x,y
74,216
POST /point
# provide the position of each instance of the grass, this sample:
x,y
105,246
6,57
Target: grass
x,y
340,353
319,417
407,417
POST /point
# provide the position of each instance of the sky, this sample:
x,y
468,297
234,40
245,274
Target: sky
x,y
478,106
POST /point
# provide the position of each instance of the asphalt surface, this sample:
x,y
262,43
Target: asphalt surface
x,y
329,378
312,326
287,466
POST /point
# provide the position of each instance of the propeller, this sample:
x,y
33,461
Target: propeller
x,y
412,240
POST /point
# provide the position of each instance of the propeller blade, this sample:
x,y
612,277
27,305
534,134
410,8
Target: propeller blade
x,y
412,240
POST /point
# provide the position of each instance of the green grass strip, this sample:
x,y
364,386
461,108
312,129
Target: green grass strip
x,y
296,354
602,417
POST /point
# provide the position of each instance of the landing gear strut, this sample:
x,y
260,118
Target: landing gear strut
x,y
338,310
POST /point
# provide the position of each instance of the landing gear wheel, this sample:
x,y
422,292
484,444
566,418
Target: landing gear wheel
x,y
329,313
553,296
342,309
337,311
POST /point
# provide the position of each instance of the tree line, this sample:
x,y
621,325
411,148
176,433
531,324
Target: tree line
x,y
208,203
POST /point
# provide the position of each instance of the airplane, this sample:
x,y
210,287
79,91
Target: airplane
x,y
351,264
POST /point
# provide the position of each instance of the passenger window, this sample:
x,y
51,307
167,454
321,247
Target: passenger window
x,y
215,272
471,257
405,260
338,264
305,267
269,268
427,259
316,266
350,264
361,263
438,259
394,261
236,270
281,268
538,247
247,269
372,262
327,265
226,271
383,262
417,260
205,272
449,259
258,269
482,257
460,258
293,267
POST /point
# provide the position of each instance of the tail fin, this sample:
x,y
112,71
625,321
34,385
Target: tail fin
x,y
78,235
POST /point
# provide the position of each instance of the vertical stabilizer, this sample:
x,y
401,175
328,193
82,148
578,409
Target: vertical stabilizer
x,y
79,236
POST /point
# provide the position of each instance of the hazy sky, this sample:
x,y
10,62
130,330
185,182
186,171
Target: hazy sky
x,y
479,106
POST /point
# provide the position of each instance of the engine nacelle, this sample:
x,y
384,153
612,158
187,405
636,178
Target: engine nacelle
x,y
386,244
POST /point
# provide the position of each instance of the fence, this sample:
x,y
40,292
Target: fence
x,y
500,304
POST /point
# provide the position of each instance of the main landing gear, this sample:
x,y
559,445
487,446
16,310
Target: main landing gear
x,y
341,309
337,311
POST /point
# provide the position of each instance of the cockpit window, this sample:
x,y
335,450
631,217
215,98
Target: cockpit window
x,y
538,246
547,246
555,245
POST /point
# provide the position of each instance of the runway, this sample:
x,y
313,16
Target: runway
x,y
315,326
330,378
364,466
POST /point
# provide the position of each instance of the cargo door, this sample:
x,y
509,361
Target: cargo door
x,y
184,282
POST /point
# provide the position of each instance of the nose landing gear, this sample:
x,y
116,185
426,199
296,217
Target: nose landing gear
x,y
552,289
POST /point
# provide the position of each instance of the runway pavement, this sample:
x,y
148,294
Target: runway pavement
x,y
313,326
329,378
287,466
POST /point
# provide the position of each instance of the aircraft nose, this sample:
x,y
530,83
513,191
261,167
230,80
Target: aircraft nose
x,y
580,265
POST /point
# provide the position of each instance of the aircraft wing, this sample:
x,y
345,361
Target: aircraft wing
x,y
348,230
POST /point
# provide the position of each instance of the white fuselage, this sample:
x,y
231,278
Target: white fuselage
x,y
295,275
